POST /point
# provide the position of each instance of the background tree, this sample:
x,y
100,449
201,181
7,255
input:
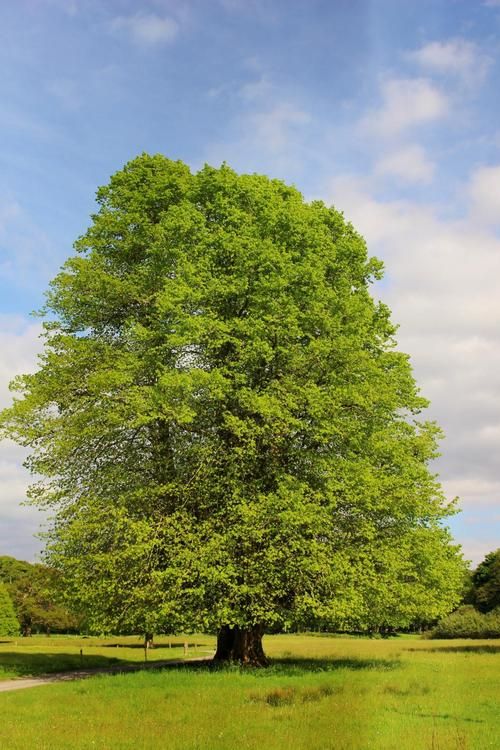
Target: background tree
x,y
9,625
11,569
486,583
224,428
35,594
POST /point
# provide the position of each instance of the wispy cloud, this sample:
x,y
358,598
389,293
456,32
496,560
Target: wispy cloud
x,y
484,191
19,338
477,549
9,210
15,120
257,90
273,127
406,103
442,286
68,7
479,493
26,253
409,164
66,92
146,29
268,133
457,57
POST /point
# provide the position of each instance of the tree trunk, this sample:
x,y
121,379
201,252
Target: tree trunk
x,y
243,645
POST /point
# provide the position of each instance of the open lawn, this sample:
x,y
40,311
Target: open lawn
x,y
40,655
320,693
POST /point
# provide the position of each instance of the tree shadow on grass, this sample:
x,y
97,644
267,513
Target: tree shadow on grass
x,y
480,649
296,667
293,666
37,665
34,665
157,646
446,717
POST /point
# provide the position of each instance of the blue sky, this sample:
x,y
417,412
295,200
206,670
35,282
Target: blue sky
x,y
388,109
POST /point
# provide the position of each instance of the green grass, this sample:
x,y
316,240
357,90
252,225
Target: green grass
x,y
39,655
319,694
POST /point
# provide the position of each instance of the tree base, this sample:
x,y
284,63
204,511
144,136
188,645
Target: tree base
x,y
243,645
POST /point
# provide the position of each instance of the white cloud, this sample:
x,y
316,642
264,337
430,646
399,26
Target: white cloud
x,y
458,57
408,164
273,127
269,134
406,103
257,90
19,344
14,480
271,139
147,29
271,119
484,191
476,493
27,254
476,550
442,287
491,434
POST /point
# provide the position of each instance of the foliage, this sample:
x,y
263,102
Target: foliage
x,y
486,583
11,570
225,430
34,590
8,621
467,622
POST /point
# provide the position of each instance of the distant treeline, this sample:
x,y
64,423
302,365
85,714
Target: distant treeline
x,y
479,615
31,601
36,598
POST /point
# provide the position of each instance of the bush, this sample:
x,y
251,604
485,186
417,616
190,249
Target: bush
x,y
467,622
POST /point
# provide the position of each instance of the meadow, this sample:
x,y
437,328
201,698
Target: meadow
x,y
41,655
320,693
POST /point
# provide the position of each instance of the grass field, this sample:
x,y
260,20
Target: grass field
x,y
320,693
39,655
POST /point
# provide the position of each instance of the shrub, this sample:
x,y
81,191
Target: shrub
x,y
467,622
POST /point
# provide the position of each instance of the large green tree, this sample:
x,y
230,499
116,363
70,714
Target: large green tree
x,y
223,426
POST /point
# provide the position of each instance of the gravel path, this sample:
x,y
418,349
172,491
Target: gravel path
x,y
81,674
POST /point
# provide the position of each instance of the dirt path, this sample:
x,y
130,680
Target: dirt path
x,y
82,674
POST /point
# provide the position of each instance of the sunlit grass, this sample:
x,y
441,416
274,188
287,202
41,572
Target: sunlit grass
x,y
30,657
319,694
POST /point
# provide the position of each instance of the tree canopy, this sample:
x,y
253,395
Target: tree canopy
x,y
485,594
225,431
35,593
11,569
9,625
